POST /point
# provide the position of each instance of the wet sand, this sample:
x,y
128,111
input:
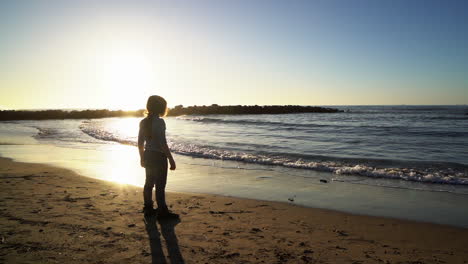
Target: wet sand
x,y
53,215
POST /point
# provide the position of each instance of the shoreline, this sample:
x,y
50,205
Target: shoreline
x,y
51,214
119,163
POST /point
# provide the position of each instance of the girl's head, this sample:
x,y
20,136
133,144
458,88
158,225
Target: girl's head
x,y
156,105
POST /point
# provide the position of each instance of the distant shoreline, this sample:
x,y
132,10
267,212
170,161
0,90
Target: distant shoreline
x,y
10,115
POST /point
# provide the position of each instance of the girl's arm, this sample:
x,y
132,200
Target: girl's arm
x,y
141,145
165,148
168,154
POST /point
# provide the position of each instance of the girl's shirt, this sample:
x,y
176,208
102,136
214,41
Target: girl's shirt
x,y
158,135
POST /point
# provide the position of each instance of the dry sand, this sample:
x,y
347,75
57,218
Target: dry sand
x,y
53,215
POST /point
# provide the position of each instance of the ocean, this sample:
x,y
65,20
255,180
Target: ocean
x,y
381,148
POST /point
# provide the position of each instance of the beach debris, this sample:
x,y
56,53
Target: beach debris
x,y
145,253
3,240
229,212
108,245
255,230
283,257
291,199
68,198
131,225
232,255
26,177
341,232
228,204
323,180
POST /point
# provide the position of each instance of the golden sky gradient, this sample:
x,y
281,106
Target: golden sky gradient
x,y
101,56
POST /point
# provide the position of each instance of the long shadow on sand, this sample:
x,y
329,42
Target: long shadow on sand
x,y
168,232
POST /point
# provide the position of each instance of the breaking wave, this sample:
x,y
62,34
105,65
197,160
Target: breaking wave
x,y
449,173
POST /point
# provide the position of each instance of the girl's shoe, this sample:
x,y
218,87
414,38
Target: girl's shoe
x,y
166,214
149,211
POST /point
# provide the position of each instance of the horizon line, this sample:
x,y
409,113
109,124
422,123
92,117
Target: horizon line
x,y
117,109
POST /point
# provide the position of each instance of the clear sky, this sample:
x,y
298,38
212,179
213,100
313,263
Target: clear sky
x,y
113,54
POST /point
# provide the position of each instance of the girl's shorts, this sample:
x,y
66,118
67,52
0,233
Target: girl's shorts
x,y
155,160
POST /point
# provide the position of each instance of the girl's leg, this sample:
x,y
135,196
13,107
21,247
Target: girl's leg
x,y
148,188
161,179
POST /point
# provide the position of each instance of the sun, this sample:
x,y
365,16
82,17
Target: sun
x,y
128,76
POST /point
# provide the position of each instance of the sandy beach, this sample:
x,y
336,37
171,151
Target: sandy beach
x,y
53,215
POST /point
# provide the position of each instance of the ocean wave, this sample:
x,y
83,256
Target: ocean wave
x,y
338,129
248,122
62,135
104,135
426,175
436,174
45,132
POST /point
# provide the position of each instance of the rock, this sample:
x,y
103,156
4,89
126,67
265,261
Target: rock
x,y
342,233
255,230
233,255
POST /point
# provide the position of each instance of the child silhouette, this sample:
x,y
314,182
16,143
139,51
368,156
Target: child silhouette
x,y
154,153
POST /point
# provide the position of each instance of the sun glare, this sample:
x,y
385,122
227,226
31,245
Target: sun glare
x,y
122,165
128,75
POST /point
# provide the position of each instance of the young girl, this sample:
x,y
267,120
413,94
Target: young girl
x,y
154,154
